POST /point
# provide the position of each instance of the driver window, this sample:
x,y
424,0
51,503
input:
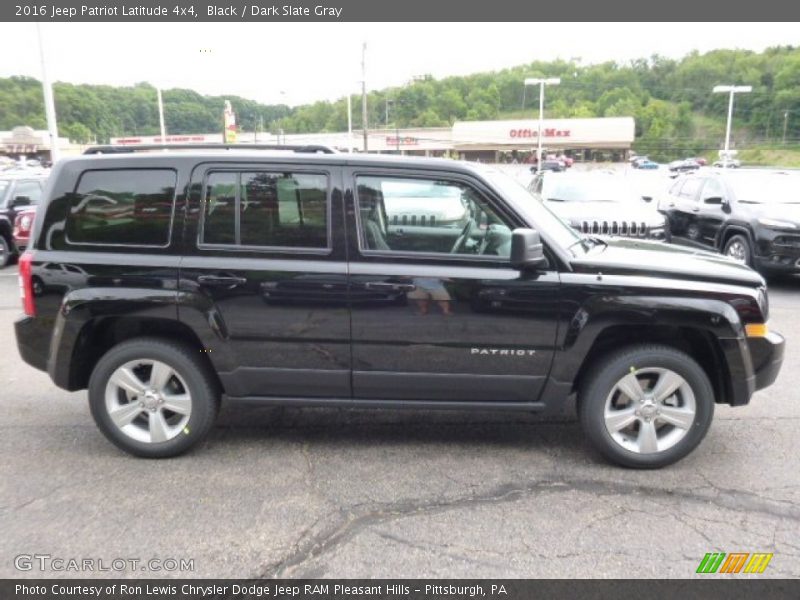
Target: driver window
x,y
428,216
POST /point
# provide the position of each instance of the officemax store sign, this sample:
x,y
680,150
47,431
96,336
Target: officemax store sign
x,y
532,133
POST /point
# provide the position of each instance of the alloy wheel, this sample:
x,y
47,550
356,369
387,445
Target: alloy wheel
x,y
650,410
148,401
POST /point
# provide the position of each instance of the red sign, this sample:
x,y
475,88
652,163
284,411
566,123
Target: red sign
x,y
167,139
402,141
532,133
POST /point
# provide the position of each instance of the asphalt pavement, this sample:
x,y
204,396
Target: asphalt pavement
x,y
342,493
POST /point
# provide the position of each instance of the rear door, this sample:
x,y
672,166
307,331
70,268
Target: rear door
x,y
265,277
438,313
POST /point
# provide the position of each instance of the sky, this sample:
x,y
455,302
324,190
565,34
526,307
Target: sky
x,y
297,63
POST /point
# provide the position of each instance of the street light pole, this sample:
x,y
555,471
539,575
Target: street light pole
x,y
161,116
732,90
364,119
49,103
541,83
349,123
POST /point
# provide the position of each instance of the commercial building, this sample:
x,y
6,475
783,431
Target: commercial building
x,y
488,141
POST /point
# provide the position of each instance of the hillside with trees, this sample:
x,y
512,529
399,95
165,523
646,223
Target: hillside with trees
x,y
676,113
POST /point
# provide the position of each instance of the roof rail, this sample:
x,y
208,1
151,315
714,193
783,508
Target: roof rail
x,y
125,149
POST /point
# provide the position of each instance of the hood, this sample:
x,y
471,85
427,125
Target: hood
x,y
650,258
575,212
780,212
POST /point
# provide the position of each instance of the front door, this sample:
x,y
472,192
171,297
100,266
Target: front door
x,y
438,313
265,278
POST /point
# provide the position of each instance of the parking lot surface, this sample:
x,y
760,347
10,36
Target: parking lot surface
x,y
341,493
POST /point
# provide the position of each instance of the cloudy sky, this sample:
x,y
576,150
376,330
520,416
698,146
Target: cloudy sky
x,y
297,63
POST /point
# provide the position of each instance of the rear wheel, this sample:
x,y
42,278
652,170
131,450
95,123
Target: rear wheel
x,y
153,398
738,248
5,252
646,406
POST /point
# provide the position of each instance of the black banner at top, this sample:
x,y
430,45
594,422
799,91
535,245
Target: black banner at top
x,y
188,11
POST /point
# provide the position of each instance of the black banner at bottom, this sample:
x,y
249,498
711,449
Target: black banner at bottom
x,y
393,589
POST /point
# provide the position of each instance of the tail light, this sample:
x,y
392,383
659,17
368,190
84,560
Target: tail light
x,y
23,225
26,284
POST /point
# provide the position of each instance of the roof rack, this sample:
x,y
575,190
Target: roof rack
x,y
125,149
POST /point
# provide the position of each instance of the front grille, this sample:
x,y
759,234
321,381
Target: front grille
x,y
624,228
788,241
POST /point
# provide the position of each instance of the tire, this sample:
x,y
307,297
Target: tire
x,y
602,406
144,424
5,252
738,248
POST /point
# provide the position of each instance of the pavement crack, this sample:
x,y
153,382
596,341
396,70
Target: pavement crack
x,y
311,546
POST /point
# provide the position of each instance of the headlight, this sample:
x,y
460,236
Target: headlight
x,y
777,223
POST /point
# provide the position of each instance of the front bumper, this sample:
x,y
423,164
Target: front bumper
x,y
777,251
767,356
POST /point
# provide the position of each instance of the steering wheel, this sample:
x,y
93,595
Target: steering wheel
x,y
465,235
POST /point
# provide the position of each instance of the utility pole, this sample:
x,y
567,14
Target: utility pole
x,y
49,103
364,119
785,124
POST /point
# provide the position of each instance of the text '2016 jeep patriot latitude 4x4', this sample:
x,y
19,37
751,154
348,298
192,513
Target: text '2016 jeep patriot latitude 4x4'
x,y
166,281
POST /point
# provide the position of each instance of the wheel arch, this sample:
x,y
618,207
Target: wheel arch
x,y
700,344
98,336
728,231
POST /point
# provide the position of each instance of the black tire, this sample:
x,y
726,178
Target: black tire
x,y
745,245
186,362
603,377
5,252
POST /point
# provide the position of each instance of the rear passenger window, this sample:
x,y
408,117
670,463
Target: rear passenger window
x,y
690,187
266,209
122,207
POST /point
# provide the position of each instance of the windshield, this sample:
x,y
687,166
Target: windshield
x,y
534,209
589,190
778,188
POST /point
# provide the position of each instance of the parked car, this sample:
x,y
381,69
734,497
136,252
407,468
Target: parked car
x,y
682,166
644,163
599,203
549,164
752,216
23,225
729,163
18,189
161,319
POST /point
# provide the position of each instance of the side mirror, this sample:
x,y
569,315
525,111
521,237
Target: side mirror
x,y
21,201
526,249
647,198
714,200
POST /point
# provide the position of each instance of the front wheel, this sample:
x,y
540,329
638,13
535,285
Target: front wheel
x,y
153,398
738,248
646,406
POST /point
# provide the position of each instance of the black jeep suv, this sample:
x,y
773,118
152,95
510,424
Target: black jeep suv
x,y
166,282
752,216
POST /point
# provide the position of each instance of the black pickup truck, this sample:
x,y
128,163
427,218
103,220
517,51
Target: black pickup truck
x,y
167,282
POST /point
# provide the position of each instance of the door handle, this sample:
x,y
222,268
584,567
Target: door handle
x,y
393,287
696,209
229,281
